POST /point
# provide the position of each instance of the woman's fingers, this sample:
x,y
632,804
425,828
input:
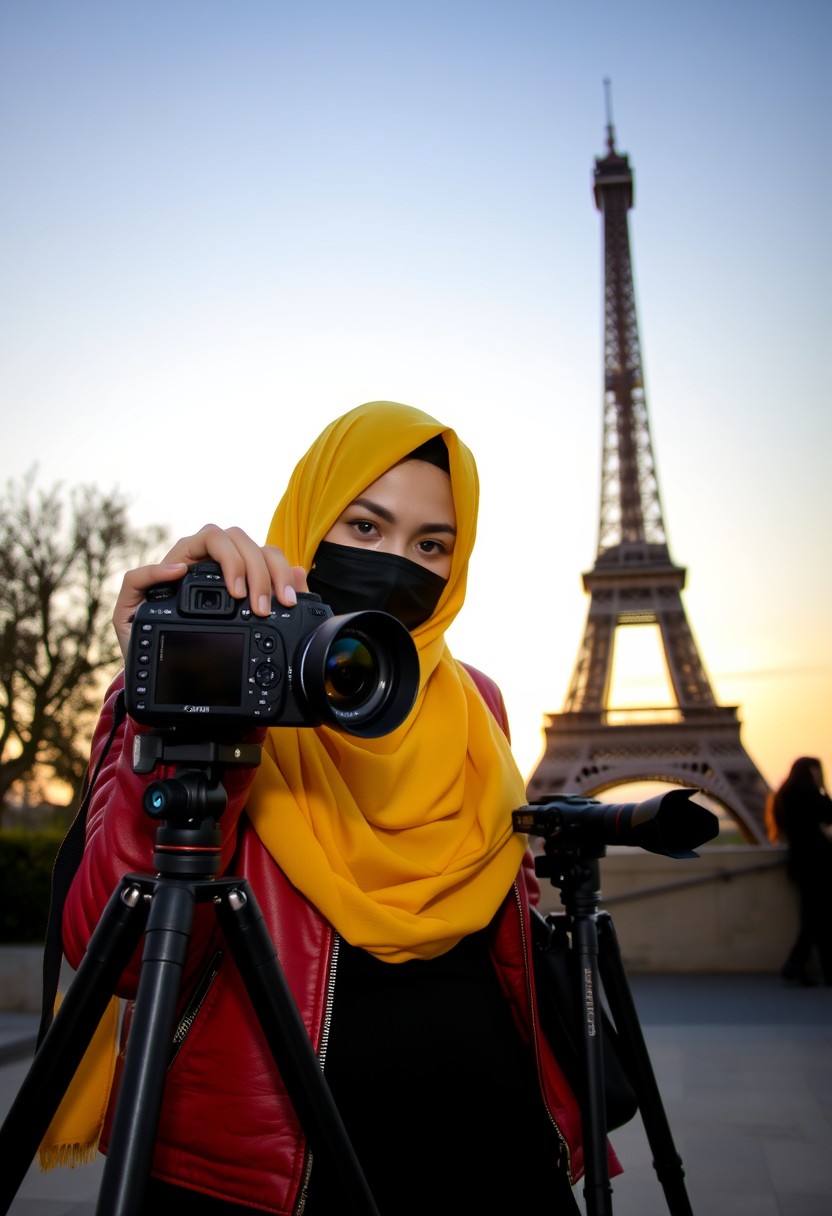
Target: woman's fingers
x,y
247,569
134,587
299,578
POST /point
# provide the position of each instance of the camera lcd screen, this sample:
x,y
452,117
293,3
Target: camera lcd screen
x,y
200,668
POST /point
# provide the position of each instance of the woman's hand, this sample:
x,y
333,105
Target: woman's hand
x,y
247,569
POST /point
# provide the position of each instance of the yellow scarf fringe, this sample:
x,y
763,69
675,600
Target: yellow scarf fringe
x,y
73,1135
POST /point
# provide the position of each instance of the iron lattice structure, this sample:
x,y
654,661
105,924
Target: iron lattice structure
x,y
590,747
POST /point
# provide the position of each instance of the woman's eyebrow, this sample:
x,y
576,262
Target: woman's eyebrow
x,y
449,529
376,508
389,517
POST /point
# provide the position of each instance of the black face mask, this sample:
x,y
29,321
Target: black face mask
x,y
357,580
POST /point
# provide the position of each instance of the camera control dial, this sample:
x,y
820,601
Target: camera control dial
x,y
265,675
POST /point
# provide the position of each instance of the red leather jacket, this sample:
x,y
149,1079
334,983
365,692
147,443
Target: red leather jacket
x,y
227,1127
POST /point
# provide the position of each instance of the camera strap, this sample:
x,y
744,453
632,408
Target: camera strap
x,y
67,860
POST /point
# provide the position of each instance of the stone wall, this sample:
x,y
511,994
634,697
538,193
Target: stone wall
x,y
732,909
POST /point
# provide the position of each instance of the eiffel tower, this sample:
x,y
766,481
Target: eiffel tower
x,y
590,747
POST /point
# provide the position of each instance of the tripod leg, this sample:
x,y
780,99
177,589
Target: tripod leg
x,y
597,1190
666,1160
140,1095
59,1055
299,1066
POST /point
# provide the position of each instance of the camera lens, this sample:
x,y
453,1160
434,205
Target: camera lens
x,y
358,672
351,672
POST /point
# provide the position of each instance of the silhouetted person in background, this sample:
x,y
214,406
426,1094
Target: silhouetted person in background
x,y
800,814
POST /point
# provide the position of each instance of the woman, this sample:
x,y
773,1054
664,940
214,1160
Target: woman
x,y
390,879
800,813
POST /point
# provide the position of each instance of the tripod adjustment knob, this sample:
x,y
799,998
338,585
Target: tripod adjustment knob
x,y
162,798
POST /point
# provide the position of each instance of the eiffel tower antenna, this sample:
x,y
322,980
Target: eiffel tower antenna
x,y
590,746
608,107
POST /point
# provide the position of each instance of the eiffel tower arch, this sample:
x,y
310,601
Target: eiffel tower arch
x,y
591,746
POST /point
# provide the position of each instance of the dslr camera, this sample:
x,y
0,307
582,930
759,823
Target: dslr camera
x,y
200,659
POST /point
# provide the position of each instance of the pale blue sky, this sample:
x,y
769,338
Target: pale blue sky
x,y
222,224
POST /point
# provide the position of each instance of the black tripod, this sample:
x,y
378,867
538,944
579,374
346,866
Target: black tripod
x,y
161,907
595,955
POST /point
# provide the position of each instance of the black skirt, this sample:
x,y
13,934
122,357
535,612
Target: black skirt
x,y
438,1091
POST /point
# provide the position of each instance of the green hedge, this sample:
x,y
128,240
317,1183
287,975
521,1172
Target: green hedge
x,y
26,860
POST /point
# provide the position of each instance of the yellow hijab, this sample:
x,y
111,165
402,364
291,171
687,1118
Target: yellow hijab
x,y
404,843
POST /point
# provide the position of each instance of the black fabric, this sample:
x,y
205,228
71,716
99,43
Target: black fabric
x,y
350,579
67,860
433,451
437,1090
558,998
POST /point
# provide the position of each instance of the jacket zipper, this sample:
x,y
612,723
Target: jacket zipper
x,y
194,1005
564,1147
330,997
322,1050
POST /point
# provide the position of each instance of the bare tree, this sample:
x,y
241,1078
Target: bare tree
x,y
61,554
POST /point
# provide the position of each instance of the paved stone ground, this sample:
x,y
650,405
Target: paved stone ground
x,y
744,1066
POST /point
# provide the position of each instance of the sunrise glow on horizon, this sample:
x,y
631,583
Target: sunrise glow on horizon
x,y
223,225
